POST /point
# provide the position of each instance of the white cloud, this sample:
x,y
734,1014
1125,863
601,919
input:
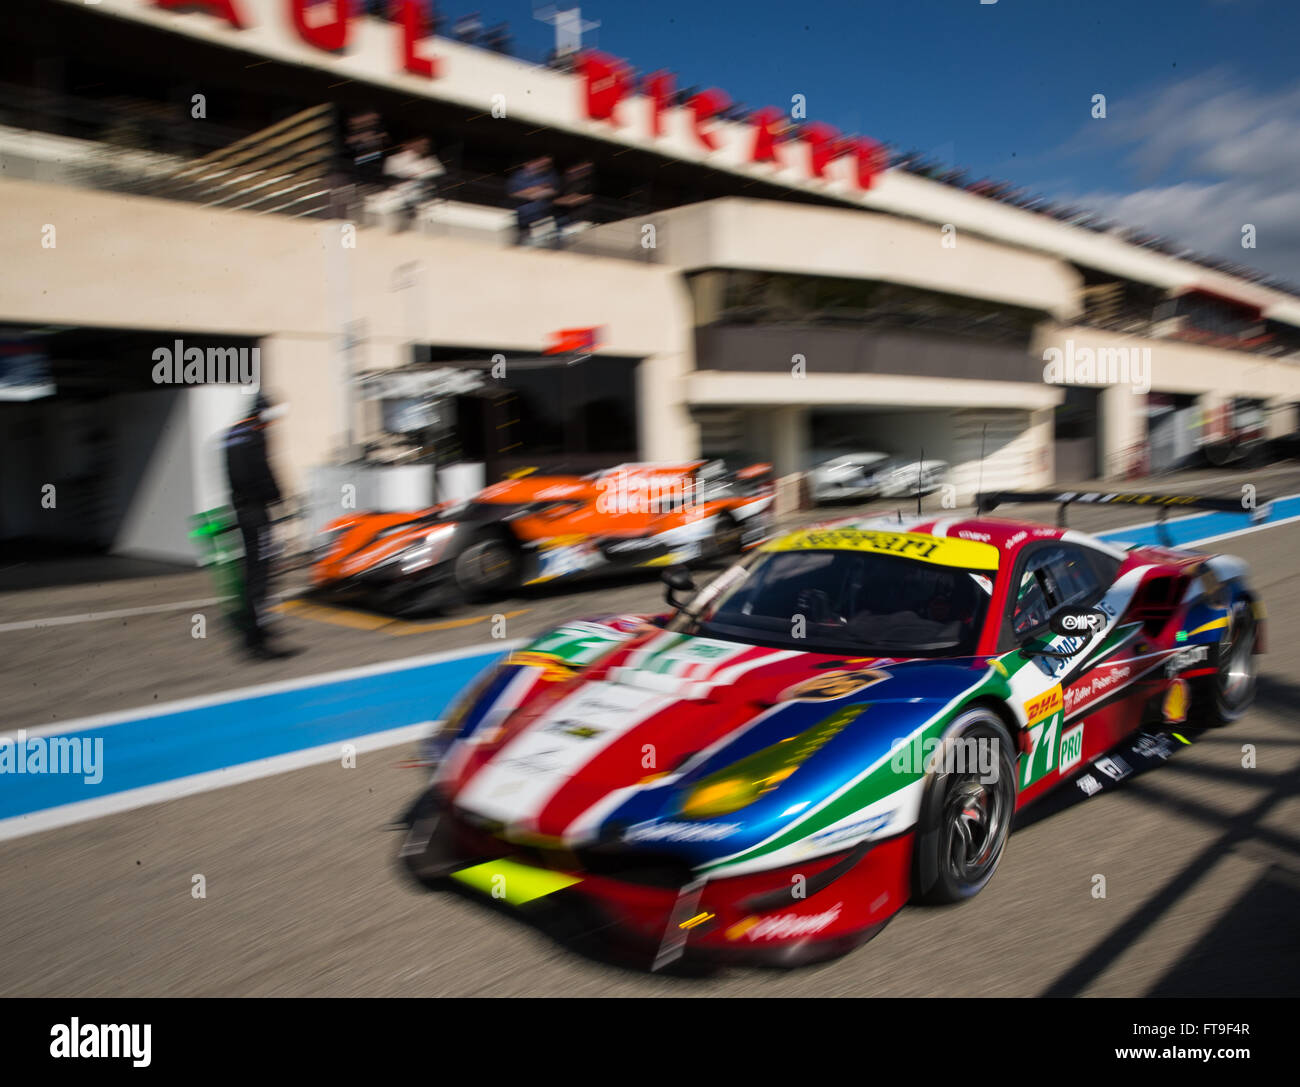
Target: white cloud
x,y
1215,155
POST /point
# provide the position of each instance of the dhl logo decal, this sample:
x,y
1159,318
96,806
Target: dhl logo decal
x,y
1036,709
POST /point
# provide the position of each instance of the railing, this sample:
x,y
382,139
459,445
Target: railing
x,y
282,169
291,168
990,328
1135,322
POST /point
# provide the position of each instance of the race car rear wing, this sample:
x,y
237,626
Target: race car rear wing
x,y
1258,509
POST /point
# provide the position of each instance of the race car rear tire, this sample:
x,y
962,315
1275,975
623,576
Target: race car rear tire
x,y
727,537
964,822
1223,697
488,566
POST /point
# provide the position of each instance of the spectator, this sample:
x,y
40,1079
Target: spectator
x,y
534,184
574,200
365,143
416,169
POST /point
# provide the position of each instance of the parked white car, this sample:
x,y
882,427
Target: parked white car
x,y
866,475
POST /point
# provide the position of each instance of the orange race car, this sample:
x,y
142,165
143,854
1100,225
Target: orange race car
x,y
535,528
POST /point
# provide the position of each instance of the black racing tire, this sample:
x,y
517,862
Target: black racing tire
x,y
1225,696
489,566
727,538
964,822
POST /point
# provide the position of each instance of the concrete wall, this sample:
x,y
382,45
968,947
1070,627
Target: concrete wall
x,y
708,387
770,236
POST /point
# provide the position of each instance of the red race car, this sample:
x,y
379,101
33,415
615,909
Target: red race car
x,y
845,720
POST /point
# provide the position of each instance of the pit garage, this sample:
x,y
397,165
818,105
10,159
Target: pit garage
x,y
982,447
1003,442
98,458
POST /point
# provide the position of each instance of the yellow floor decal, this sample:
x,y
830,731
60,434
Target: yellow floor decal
x,y
364,620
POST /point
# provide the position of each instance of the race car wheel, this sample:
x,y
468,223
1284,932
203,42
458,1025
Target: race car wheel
x,y
964,819
727,537
1228,693
488,566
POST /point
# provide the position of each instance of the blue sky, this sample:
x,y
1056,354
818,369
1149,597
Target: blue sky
x,y
1202,132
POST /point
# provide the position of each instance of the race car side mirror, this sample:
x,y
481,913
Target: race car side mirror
x,y
677,579
1071,619
1038,647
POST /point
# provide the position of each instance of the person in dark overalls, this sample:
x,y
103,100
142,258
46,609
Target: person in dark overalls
x,y
253,490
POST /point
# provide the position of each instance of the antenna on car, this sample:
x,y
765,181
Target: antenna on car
x,y
984,433
920,476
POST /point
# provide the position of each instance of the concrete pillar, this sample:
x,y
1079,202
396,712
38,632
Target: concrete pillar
x,y
667,431
1214,416
1042,466
788,427
295,370
1282,417
1123,419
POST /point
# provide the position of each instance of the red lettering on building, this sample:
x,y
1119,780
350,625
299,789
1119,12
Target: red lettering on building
x,y
415,25
331,35
660,89
769,125
606,82
868,159
823,146
704,107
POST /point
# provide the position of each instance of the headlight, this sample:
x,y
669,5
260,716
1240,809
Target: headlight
x,y
428,550
740,784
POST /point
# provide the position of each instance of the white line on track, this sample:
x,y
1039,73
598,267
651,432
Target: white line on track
x,y
19,826
120,613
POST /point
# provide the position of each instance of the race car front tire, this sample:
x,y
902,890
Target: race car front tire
x,y
727,537
488,566
964,820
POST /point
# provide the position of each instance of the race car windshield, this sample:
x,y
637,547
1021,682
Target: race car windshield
x,y
840,601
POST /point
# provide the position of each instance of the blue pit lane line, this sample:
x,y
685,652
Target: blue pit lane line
x,y
203,735
199,736
1201,526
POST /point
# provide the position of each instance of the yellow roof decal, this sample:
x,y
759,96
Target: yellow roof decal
x,y
940,550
